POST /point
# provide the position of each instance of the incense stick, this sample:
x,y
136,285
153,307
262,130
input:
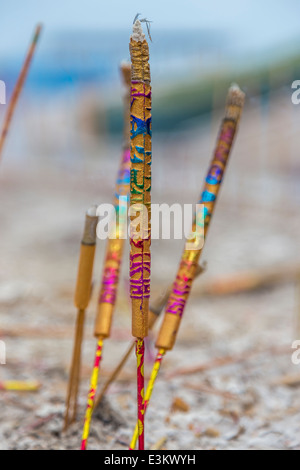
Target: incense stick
x,y
81,300
140,197
113,259
115,244
190,258
18,87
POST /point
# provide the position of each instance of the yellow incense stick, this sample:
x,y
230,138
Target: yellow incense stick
x,y
91,395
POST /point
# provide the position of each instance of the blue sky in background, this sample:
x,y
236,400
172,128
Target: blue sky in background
x,y
188,37
252,23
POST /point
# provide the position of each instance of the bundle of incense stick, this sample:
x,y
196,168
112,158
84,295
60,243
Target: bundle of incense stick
x,y
18,87
81,301
190,258
153,315
113,259
140,198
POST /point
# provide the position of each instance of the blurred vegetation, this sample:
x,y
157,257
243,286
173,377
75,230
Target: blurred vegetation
x,y
177,105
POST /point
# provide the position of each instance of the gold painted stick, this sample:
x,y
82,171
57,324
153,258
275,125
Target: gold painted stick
x,y
18,87
81,300
140,199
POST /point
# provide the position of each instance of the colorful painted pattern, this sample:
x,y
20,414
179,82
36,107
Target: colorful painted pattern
x,y
154,373
140,188
181,287
140,352
91,396
140,263
110,278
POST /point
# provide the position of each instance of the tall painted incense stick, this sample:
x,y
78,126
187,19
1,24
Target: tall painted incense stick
x,y
154,312
113,259
18,87
81,300
140,198
115,245
190,258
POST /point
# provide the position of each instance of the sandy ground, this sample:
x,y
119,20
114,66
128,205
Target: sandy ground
x,y
253,401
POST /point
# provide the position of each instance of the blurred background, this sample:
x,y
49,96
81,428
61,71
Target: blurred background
x,y
62,155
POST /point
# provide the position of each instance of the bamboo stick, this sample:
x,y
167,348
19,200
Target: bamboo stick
x,y
81,300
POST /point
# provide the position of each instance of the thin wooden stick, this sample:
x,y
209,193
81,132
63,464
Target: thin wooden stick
x,y
81,321
81,300
228,360
73,386
210,390
231,284
114,374
18,87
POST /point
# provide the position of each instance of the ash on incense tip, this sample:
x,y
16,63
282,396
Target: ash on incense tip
x,y
235,102
137,32
92,211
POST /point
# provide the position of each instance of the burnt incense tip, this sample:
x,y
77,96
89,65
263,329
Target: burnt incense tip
x,y
137,32
125,65
90,226
235,102
236,97
92,211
